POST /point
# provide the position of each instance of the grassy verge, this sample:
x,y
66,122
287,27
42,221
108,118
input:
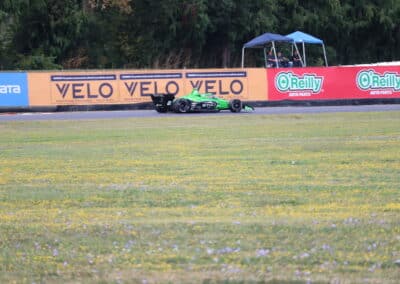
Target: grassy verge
x,y
201,199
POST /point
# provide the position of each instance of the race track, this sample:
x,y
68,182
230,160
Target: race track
x,y
90,115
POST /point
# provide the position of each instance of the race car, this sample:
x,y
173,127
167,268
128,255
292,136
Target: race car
x,y
197,102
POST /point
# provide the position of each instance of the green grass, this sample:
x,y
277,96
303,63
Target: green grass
x,y
238,199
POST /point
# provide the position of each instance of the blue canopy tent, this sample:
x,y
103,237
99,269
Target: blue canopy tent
x,y
303,38
262,41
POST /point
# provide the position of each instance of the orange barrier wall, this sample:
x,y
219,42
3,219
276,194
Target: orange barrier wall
x,y
135,86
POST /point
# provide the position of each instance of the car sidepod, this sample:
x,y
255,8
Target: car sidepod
x,y
206,106
183,105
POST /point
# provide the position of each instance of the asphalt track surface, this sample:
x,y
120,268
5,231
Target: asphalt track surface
x,y
93,115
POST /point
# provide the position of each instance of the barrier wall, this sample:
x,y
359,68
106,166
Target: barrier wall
x,y
131,86
38,89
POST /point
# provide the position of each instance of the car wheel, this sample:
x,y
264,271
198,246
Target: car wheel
x,y
182,105
235,105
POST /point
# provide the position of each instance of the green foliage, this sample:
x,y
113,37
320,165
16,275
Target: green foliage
x,y
37,62
192,33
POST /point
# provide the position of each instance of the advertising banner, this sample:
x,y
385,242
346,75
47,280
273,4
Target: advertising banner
x,y
334,83
13,90
378,82
72,88
84,89
223,83
136,86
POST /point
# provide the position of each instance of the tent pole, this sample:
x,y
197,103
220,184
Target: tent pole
x,y
304,55
276,57
243,57
265,57
326,60
301,59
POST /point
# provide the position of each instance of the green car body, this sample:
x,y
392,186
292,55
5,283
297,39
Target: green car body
x,y
197,102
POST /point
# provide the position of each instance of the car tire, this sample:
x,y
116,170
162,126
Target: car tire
x,y
235,105
182,105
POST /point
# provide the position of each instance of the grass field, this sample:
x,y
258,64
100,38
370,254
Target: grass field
x,y
283,198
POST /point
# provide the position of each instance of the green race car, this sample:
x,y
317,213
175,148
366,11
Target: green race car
x,y
197,102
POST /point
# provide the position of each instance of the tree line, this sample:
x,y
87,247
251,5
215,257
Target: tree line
x,y
85,34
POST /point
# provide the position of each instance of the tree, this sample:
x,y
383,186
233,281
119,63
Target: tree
x,y
46,32
231,24
49,34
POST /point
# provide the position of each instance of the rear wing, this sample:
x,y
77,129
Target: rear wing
x,y
163,102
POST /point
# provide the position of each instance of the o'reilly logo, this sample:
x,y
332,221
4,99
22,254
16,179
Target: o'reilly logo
x,y
288,81
369,79
10,89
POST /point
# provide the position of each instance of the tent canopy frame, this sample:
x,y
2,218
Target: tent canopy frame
x,y
303,38
293,38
